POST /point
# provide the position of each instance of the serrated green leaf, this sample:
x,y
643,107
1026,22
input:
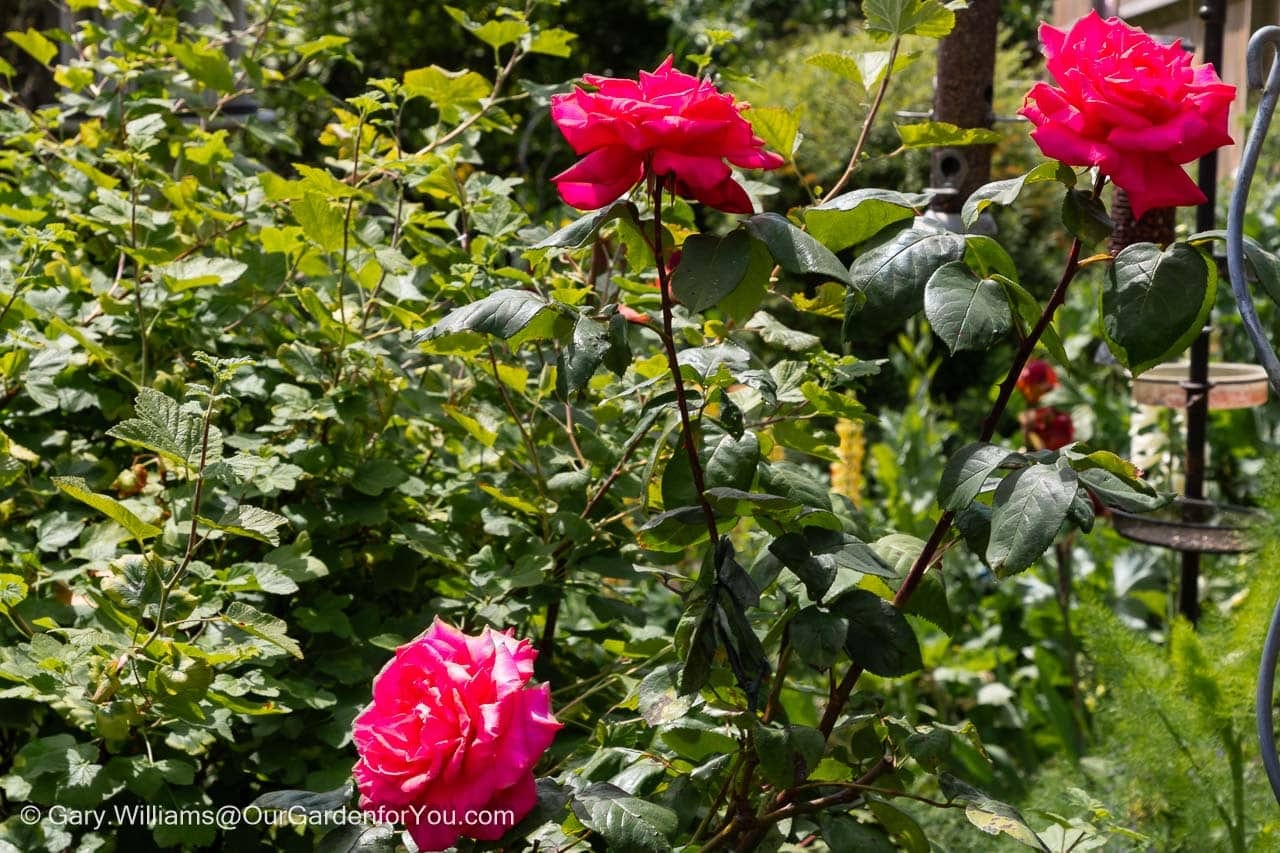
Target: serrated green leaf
x,y
1085,216
891,277
660,700
264,626
583,230
1029,508
77,488
967,471
840,64
788,753
1005,192
966,312
857,216
496,34
777,126
940,134
732,463
710,268
1115,492
446,88
624,822
894,18
818,635
201,272
991,816
250,521
582,355
163,427
13,589
322,221
504,314
552,42
206,64
34,43
673,530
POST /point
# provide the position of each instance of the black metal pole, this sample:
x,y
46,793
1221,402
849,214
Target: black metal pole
x,y
1212,12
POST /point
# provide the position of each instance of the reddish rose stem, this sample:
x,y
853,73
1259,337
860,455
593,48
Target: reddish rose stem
x,y
940,530
673,358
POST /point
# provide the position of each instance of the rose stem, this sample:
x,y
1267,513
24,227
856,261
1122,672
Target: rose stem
x,y
673,360
943,525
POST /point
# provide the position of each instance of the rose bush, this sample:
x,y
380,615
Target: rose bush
x,y
454,727
667,123
1129,105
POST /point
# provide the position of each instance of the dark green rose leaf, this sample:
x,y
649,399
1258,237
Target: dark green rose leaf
x,y
710,268
880,639
892,276
818,635
1085,216
624,822
795,251
967,471
1029,507
1155,303
967,312
581,231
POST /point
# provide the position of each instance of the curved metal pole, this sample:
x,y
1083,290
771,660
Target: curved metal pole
x,y
1267,37
1270,85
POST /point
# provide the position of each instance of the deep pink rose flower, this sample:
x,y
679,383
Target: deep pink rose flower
x,y
667,123
453,728
1129,105
1047,428
1037,379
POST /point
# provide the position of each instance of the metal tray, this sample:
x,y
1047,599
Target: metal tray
x,y
1191,525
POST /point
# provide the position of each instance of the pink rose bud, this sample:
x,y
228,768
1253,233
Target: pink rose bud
x,y
454,730
1129,105
668,124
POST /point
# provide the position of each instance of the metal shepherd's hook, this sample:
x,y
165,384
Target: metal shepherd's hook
x,y
1267,37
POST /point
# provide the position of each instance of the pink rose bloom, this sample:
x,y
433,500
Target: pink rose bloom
x,y
1129,105
668,124
453,728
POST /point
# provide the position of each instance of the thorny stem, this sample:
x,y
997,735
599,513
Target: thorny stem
x,y
346,245
137,272
866,125
931,548
673,358
928,555
757,826
193,540
546,646
1062,551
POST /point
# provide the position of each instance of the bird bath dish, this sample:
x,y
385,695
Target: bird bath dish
x,y
1231,386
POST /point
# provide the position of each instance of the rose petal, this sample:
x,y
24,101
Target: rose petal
x,y
601,177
